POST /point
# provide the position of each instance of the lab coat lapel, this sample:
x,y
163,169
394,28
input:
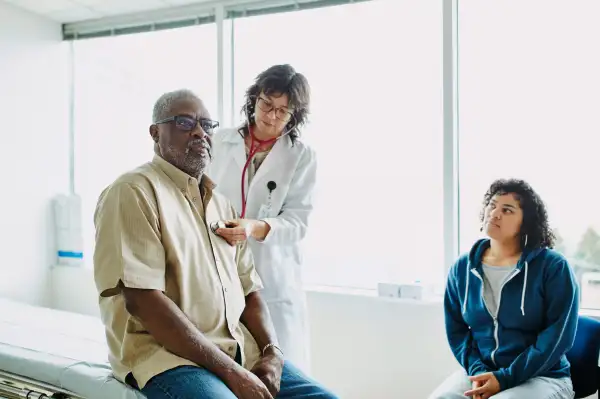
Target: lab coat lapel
x,y
237,147
239,153
257,193
275,159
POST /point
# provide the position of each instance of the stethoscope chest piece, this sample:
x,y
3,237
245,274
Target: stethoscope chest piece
x,y
217,225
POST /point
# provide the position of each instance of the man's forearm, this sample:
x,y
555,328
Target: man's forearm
x,y
172,329
257,319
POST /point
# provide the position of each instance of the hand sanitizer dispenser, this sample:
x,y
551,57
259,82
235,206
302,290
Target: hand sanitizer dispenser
x,y
68,230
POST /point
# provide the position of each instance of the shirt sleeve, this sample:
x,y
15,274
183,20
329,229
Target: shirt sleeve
x,y
128,240
247,273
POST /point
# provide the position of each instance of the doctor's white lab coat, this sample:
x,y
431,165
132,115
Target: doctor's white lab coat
x,y
278,258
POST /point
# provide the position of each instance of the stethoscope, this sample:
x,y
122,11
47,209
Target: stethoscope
x,y
271,185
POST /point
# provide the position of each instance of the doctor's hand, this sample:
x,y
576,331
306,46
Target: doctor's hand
x,y
269,369
488,386
239,230
236,231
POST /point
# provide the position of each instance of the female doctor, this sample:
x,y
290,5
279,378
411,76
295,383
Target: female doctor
x,y
269,174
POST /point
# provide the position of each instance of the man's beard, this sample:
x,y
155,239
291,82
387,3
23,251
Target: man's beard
x,y
190,162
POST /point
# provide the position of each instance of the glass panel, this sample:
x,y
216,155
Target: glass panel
x,y
375,70
528,90
117,81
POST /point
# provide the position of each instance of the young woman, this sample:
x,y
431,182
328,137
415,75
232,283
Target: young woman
x,y
269,174
511,305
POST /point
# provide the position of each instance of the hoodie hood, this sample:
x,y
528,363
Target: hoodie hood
x,y
475,266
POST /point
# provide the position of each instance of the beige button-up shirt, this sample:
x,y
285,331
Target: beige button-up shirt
x,y
152,232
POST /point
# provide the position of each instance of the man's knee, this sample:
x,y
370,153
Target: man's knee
x,y
297,385
187,381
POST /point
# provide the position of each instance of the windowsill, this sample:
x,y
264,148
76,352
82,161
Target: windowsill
x,y
372,293
369,293
354,292
595,313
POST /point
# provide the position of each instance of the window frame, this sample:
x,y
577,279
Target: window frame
x,y
224,19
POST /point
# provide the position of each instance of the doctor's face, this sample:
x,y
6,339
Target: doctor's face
x,y
503,218
272,114
184,138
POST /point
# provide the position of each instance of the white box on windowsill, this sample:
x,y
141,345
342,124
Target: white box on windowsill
x,y
416,290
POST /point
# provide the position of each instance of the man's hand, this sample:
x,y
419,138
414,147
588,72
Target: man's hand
x,y
237,231
269,369
488,386
246,385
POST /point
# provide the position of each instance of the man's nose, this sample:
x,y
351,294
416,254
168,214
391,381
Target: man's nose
x,y
198,132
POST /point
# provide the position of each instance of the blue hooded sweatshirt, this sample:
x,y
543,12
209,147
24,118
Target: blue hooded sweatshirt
x,y
535,324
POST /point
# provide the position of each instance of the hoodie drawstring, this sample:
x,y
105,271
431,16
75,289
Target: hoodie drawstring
x,y
467,288
524,289
526,267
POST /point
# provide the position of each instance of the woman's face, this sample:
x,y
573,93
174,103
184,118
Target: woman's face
x,y
272,113
503,218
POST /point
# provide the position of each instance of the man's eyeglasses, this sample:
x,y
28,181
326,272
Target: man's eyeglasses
x,y
188,123
280,113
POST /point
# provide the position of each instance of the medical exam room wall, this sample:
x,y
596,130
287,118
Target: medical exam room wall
x,y
34,165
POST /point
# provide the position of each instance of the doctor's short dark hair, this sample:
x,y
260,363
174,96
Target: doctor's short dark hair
x,y
280,79
535,228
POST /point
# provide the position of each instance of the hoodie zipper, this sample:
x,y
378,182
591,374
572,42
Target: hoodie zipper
x,y
494,317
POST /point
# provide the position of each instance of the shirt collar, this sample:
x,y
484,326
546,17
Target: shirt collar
x,y
181,179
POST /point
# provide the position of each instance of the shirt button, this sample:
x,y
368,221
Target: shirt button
x,y
183,191
195,199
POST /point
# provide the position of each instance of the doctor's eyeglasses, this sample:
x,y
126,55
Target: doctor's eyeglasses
x,y
188,123
280,113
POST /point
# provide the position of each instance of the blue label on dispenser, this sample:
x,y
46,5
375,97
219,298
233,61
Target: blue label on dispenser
x,y
70,254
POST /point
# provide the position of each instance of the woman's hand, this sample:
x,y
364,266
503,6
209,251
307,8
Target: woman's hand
x,y
488,386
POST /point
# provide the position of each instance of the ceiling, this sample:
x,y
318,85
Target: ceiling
x,y
66,11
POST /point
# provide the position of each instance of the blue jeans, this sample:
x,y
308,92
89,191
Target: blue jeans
x,y
539,388
193,382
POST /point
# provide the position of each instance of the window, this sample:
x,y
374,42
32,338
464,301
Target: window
x,y
528,91
375,70
117,81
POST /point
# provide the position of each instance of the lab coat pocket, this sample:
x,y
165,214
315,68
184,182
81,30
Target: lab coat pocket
x,y
263,212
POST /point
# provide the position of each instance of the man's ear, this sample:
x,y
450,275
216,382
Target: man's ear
x,y
154,132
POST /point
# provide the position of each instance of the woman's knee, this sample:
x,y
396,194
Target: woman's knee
x,y
453,387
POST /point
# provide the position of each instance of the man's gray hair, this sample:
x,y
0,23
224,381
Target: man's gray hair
x,y
164,104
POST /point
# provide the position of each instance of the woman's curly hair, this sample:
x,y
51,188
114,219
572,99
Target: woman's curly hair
x,y
535,229
280,79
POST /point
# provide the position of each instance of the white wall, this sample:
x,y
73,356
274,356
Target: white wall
x,y
361,347
34,148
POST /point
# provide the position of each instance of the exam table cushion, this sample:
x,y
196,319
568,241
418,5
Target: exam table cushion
x,y
63,349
